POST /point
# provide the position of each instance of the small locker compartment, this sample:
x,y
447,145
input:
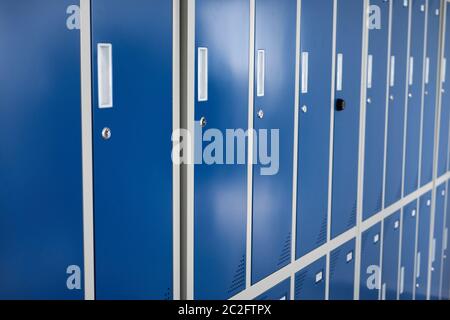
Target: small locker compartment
x,y
342,272
370,264
391,255
310,281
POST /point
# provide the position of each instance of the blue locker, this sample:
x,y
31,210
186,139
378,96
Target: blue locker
x,y
272,194
133,187
445,103
310,282
370,264
415,95
314,124
376,111
350,26
445,287
396,104
423,245
436,246
279,292
220,200
41,208
389,269
431,72
342,272
408,253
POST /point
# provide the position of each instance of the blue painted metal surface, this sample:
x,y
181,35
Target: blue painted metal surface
x,y
314,126
423,246
133,170
272,194
279,292
41,230
408,253
429,112
349,32
220,199
310,282
376,114
396,104
391,255
342,272
370,263
436,260
415,96
445,104
445,288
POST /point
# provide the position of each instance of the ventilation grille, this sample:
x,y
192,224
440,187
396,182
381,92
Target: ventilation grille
x,y
238,283
380,202
300,279
285,256
352,219
334,259
322,237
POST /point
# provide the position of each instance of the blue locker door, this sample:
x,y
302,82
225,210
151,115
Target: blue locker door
x,y
408,251
310,282
272,193
445,102
370,264
396,104
279,292
415,95
342,272
350,14
133,169
376,111
389,269
220,202
436,246
423,245
431,72
314,124
41,226
445,288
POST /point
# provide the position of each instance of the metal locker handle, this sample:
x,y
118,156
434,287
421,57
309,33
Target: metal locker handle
x,y
427,70
411,71
261,73
433,250
305,71
418,265
402,280
445,238
383,292
339,71
444,70
202,74
105,75
369,71
392,75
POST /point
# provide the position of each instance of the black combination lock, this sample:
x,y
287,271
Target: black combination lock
x,y
340,105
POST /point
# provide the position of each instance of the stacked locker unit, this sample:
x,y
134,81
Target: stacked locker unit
x,y
133,173
41,178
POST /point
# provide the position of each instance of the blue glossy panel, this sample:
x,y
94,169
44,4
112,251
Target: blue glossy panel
x,y
342,272
396,104
349,31
272,194
310,282
41,226
445,105
280,292
370,263
376,115
220,201
415,100
429,112
408,253
445,289
391,255
423,246
133,170
436,264
314,126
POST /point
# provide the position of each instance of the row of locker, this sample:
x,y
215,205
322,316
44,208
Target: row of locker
x,y
394,260
50,180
